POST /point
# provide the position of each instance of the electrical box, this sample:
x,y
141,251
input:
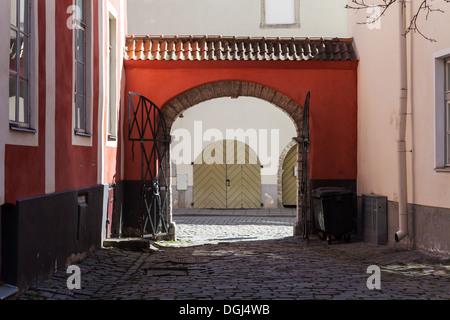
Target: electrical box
x,y
182,181
374,211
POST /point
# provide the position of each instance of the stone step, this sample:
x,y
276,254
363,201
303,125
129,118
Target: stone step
x,y
134,244
8,292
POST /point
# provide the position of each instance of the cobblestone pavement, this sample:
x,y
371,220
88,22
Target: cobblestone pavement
x,y
247,258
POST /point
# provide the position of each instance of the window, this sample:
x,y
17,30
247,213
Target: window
x,y
280,14
80,67
442,110
19,65
112,61
447,112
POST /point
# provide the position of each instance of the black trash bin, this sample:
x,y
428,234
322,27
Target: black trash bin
x,y
333,213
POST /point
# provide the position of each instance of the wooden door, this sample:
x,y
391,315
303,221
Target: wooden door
x,y
110,212
235,184
243,178
210,175
289,178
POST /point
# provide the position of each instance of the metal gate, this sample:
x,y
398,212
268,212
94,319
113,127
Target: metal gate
x,y
147,126
304,187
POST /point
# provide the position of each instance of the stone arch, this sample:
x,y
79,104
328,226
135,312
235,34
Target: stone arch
x,y
233,88
236,88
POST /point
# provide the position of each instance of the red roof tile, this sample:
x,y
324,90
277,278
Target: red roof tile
x,y
235,48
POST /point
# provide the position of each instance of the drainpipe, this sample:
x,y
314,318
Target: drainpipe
x,y
401,142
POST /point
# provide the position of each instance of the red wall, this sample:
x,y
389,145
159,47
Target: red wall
x,y
333,106
25,166
76,166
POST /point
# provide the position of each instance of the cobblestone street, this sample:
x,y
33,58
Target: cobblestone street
x,y
247,257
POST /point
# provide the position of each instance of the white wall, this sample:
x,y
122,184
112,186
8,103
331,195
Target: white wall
x,y
378,100
241,113
430,187
324,18
378,96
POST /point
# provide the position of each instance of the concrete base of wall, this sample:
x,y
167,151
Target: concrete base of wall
x,y
428,228
184,198
44,234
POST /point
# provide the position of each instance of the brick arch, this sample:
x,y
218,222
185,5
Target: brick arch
x,y
194,96
234,88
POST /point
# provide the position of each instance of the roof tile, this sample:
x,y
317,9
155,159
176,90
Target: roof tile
x,y
216,48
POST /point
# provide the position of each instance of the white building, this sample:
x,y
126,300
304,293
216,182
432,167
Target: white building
x,y
427,119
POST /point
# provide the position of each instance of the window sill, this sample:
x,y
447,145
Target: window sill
x,y
83,134
20,128
442,169
112,138
280,26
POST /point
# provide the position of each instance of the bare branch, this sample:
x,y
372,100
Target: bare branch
x,y
425,8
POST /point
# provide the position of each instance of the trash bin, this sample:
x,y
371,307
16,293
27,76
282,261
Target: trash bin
x,y
333,213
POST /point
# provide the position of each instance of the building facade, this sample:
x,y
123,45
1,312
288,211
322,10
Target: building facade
x,y
59,145
71,175
425,80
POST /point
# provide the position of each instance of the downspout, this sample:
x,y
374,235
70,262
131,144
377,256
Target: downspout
x,y
401,141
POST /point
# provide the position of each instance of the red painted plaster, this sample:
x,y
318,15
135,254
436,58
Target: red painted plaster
x,y
333,106
25,166
75,166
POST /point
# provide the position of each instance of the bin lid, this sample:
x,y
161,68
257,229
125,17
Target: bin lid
x,y
331,191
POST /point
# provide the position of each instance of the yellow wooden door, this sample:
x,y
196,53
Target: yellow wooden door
x,y
240,187
289,179
210,174
243,177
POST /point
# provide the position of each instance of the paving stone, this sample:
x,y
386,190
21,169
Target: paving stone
x,y
250,257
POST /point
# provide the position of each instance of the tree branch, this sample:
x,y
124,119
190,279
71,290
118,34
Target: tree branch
x,y
425,8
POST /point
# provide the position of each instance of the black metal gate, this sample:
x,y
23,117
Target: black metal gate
x,y
147,126
304,187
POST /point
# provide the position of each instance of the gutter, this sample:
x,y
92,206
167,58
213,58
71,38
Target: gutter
x,y
401,140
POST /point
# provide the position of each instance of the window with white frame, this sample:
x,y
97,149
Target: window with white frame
x,y
19,64
80,67
112,62
442,110
447,112
280,14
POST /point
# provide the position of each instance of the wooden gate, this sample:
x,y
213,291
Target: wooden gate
x,y
289,178
227,176
110,212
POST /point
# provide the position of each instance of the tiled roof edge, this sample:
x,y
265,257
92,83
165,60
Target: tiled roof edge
x,y
227,48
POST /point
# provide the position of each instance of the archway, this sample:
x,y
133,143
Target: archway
x,y
196,95
179,72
